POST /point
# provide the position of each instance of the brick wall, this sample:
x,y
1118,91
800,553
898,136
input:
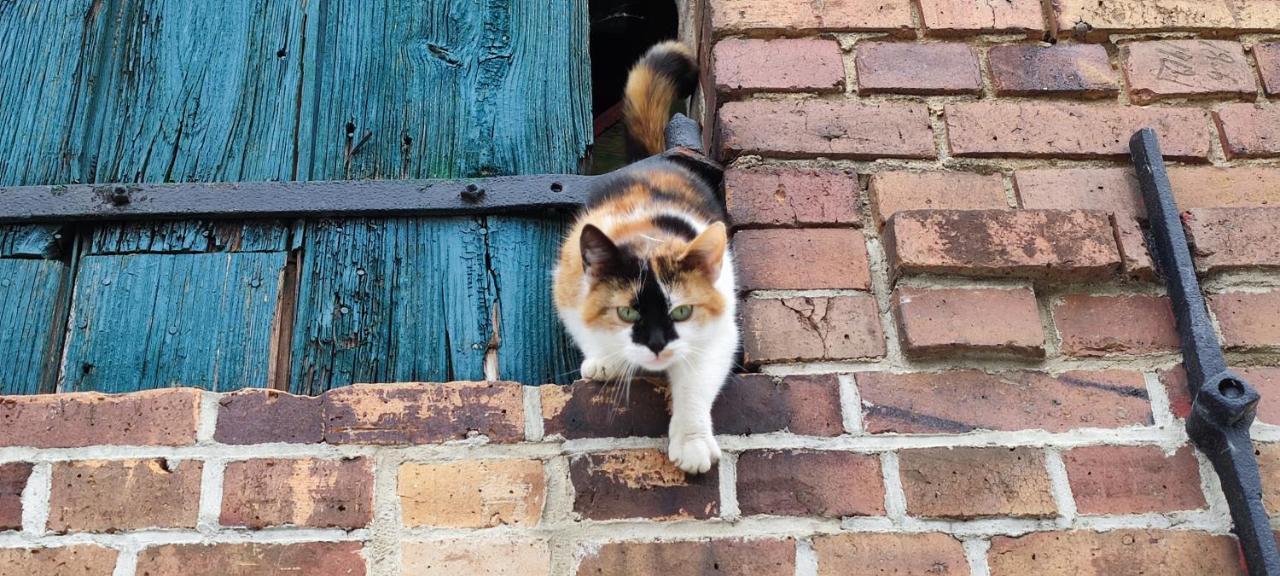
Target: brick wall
x,y
966,365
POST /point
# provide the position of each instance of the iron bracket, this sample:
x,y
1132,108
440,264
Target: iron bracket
x,y
1223,404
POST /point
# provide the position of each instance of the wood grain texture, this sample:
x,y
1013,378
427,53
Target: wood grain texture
x,y
30,299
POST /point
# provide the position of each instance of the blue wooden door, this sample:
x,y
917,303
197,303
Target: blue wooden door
x,y
178,91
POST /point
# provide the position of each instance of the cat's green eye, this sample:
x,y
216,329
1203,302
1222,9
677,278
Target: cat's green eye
x,y
681,313
628,314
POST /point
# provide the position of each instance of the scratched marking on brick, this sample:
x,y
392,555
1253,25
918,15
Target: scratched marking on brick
x,y
1182,68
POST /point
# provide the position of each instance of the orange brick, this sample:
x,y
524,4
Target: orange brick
x,y
789,196
810,483
122,495
77,560
830,128
1133,480
471,557
1268,56
1107,325
640,484
698,558
1187,68
588,409
1265,379
424,413
940,322
931,554
1116,190
1096,20
783,65
1249,130
1269,466
811,328
1248,320
252,559
13,480
893,192
306,492
1230,239
795,17
1114,553
1135,256
967,483
804,259
910,68
473,493
953,17
152,418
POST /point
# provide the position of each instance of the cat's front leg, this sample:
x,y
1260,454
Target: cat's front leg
x,y
602,369
691,439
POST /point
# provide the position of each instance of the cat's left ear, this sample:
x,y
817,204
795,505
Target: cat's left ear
x,y
706,252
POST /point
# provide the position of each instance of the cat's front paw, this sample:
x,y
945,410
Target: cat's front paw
x,y
693,452
593,369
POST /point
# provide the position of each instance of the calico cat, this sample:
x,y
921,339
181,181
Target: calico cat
x,y
645,280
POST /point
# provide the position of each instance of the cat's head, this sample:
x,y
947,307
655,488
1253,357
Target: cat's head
x,y
653,302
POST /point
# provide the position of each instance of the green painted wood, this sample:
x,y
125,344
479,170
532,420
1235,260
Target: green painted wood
x,y
430,89
534,347
30,301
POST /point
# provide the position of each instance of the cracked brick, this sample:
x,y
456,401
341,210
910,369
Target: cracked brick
x,y
819,328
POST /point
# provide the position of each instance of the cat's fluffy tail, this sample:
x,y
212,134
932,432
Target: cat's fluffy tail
x,y
666,73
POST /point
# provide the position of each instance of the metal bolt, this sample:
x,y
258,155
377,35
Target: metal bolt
x,y
119,196
472,194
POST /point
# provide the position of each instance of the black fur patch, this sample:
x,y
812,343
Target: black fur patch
x,y
675,225
655,328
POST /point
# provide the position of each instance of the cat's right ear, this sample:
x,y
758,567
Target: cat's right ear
x,y
599,254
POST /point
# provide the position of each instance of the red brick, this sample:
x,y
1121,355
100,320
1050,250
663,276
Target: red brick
x,y
77,560
942,322
1229,239
640,484
810,483
13,480
1266,380
1038,244
1235,187
910,68
262,416
1105,325
588,409
808,405
951,17
829,128
1134,253
962,401
1057,130
1133,480
1116,190
697,558
893,192
1269,465
867,554
252,559
788,196
424,413
967,483
153,418
810,258
1096,20
306,492
784,65
471,557
1114,553
1186,68
811,328
1248,320
1249,130
799,17
1268,56
1082,70
121,495
473,493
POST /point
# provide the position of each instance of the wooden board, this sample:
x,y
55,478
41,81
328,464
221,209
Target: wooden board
x,y
30,298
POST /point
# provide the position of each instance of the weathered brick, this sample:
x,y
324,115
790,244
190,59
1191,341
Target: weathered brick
x,y
1265,380
910,68
966,483
121,495
1082,70
1268,455
1228,239
587,409
811,328
1054,130
1186,68
1114,553
810,483
940,322
151,418
798,17
471,557
1268,56
1038,244
252,559
1249,130
906,554
1248,320
804,259
697,558
789,196
758,404
13,480
424,413
830,128
473,493
1116,189
1133,479
77,560
304,492
262,416
1105,325
1235,187
893,192
640,484
1135,256
1095,20
962,401
783,65
952,17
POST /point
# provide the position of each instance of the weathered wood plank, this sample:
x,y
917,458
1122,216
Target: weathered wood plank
x,y
189,236
29,299
208,324
31,241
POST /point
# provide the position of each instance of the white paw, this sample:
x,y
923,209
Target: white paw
x,y
593,369
693,452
